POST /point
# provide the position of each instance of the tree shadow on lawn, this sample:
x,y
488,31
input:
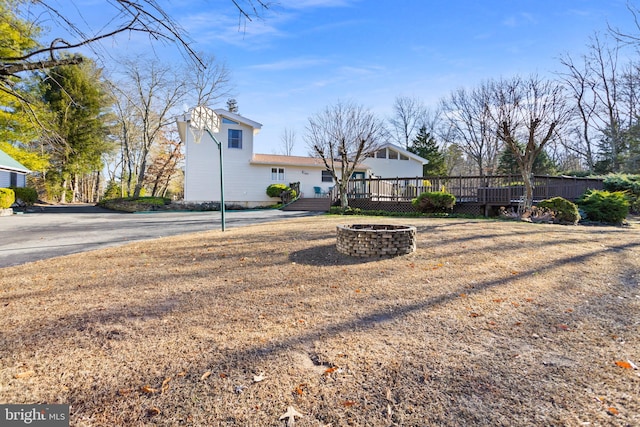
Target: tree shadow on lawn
x,y
260,353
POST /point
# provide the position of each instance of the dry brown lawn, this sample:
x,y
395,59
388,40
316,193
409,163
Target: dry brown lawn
x,y
487,324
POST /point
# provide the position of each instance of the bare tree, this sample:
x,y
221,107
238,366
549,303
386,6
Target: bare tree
x,y
468,124
577,78
342,135
606,97
409,115
287,141
207,85
127,16
531,111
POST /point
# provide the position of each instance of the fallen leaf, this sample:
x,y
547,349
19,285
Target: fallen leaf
x,y
222,375
290,416
153,411
348,403
165,385
329,371
612,411
205,375
515,304
124,391
25,374
472,314
463,295
300,389
259,377
562,327
497,300
358,290
623,364
528,299
147,389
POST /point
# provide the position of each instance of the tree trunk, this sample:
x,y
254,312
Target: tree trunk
x,y
63,196
344,200
527,178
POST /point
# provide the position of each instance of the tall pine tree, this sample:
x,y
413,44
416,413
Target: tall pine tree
x,y
76,96
425,146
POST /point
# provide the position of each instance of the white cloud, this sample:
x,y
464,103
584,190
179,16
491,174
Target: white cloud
x,y
519,20
310,4
290,64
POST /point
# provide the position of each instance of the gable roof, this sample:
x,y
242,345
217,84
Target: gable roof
x,y
238,118
9,163
407,153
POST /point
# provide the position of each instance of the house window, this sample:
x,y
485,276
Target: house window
x,y
235,138
326,176
228,121
403,157
382,154
277,174
13,179
393,155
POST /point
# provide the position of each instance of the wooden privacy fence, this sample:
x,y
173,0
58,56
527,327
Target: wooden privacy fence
x,y
487,191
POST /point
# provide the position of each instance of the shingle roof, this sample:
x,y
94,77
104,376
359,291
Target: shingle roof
x,y
9,163
277,159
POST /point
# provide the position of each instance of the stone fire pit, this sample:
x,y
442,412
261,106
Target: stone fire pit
x,y
367,240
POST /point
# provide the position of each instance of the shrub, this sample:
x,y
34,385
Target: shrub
x,y
274,190
630,184
112,191
28,195
7,197
281,190
564,211
604,206
434,201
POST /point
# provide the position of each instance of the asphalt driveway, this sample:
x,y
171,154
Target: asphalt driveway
x,y
53,231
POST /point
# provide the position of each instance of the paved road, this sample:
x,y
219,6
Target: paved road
x,y
62,230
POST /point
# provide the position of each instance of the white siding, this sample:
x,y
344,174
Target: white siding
x,y
202,173
394,168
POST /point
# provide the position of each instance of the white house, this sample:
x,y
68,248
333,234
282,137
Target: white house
x,y
248,174
12,173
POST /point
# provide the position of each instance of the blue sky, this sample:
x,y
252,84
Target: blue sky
x,y
307,54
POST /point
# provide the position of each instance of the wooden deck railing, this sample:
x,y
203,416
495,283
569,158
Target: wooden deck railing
x,y
486,190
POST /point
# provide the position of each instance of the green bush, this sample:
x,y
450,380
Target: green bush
x,y
564,211
630,184
112,191
274,190
277,190
7,197
434,201
28,195
604,206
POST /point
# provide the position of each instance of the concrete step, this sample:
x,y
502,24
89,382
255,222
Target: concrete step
x,y
320,204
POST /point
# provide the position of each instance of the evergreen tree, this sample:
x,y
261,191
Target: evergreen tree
x,y
77,99
425,146
508,165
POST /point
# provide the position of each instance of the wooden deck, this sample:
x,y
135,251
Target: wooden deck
x,y
483,192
